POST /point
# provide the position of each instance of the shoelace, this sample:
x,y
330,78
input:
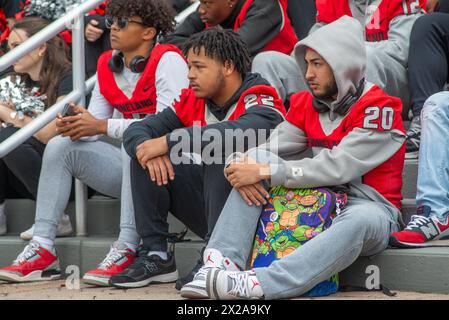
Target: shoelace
x,y
113,256
417,221
413,132
240,284
28,252
202,273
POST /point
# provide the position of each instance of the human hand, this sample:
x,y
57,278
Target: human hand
x,y
254,194
83,124
160,170
246,171
151,149
92,32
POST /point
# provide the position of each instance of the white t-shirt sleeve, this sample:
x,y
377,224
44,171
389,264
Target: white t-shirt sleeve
x,y
99,108
171,78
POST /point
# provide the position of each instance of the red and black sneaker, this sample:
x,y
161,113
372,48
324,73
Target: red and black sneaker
x,y
34,264
420,231
117,260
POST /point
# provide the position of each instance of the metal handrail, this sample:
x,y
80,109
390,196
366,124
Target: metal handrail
x,y
73,20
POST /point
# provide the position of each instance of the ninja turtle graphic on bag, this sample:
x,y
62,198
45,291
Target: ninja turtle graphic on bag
x,y
290,219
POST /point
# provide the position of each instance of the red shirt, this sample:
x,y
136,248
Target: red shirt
x,y
192,110
374,111
286,39
376,29
143,100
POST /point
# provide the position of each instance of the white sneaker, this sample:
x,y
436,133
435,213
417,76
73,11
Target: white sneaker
x,y
233,285
64,229
2,224
196,289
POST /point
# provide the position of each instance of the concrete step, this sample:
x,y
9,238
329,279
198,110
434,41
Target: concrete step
x,y
418,270
88,252
103,218
421,270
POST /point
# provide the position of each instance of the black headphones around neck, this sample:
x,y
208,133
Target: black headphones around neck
x,y
136,65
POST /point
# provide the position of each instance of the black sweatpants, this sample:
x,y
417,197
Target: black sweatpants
x,y
196,197
428,58
20,169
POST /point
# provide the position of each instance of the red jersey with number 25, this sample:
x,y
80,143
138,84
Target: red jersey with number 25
x,y
379,14
375,110
192,110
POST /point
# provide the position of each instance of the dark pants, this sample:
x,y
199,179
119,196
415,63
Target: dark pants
x,y
196,197
20,169
302,14
428,58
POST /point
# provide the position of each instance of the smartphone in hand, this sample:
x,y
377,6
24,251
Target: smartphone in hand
x,y
67,111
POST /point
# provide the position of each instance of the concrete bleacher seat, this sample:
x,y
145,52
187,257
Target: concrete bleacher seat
x,y
419,270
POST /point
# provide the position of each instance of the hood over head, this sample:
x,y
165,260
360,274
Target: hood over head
x,y
342,45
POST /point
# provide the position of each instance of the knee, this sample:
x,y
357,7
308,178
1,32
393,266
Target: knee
x,y
16,156
270,60
57,147
436,108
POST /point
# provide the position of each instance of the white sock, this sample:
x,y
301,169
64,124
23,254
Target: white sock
x,y
47,244
162,254
131,246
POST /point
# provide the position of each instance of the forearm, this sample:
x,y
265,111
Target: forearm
x,y
358,153
153,126
218,141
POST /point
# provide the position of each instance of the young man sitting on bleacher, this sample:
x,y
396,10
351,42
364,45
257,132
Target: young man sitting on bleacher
x,y
140,77
357,137
224,104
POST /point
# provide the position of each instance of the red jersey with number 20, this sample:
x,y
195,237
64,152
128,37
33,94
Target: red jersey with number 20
x,y
374,111
379,14
192,110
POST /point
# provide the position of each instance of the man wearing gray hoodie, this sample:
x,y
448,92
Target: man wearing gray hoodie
x,y
387,27
357,138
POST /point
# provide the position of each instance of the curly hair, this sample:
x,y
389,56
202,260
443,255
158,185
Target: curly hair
x,y
154,13
223,45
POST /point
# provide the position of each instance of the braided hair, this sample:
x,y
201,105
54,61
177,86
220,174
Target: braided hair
x,y
154,13
223,45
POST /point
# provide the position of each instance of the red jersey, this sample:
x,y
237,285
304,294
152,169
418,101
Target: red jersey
x,y
192,110
286,39
379,14
143,100
374,111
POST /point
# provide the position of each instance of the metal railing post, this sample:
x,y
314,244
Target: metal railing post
x,y
79,75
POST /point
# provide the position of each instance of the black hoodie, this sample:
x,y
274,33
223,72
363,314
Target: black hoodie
x,y
165,122
263,22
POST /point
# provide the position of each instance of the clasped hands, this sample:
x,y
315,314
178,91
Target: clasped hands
x,y
246,175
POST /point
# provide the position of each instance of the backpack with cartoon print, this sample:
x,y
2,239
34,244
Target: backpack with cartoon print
x,y
290,219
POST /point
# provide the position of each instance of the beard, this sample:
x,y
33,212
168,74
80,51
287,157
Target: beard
x,y
330,90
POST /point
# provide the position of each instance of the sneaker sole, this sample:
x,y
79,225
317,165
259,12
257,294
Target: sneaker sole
x,y
46,275
394,243
194,292
96,280
163,278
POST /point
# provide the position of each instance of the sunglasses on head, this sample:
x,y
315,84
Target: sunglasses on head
x,y
121,22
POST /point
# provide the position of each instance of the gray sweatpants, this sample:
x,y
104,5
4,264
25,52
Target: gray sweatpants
x,y
361,229
99,165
